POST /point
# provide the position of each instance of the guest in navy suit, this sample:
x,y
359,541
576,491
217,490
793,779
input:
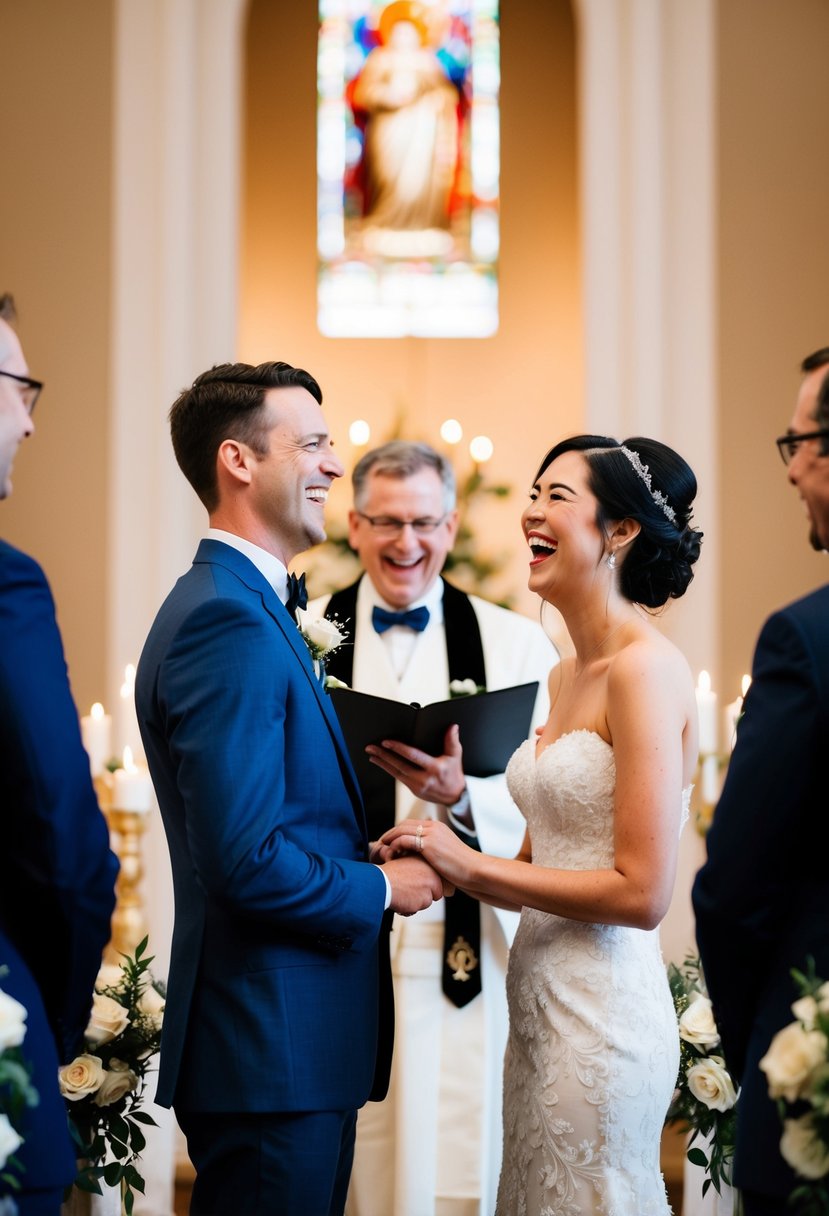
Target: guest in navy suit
x,y
761,899
57,876
270,1039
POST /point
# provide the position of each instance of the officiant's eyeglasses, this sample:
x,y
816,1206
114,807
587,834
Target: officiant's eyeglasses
x,y
386,525
787,445
30,392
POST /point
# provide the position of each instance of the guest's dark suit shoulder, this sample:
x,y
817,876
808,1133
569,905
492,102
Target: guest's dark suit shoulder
x,y
761,897
57,857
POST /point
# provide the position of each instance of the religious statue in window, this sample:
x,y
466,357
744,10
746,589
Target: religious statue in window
x,y
410,111
408,168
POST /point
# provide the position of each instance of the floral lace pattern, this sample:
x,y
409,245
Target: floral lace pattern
x,y
593,1049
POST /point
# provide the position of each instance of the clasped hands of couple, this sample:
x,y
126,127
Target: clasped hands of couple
x,y
438,779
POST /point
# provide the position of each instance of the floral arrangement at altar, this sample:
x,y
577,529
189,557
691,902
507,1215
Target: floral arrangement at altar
x,y
705,1097
16,1090
797,1071
104,1086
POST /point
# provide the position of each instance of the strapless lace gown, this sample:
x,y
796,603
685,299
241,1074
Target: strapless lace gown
x,y
593,1047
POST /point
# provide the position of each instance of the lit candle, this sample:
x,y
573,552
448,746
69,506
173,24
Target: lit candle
x,y
710,780
128,722
133,788
451,431
732,712
96,732
481,449
707,714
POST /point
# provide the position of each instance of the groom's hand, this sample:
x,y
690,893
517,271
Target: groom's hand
x,y
414,885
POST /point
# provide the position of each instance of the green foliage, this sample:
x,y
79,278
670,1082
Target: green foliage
x,y
686,1110
109,1139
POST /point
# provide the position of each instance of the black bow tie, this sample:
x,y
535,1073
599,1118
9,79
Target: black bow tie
x,y
297,595
414,618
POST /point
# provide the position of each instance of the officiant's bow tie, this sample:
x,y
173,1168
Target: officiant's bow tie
x,y
414,618
297,595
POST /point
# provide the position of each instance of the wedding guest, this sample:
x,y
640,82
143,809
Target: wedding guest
x,y
761,898
593,1051
58,874
270,1029
434,1144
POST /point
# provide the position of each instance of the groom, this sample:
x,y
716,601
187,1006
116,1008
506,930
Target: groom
x,y
270,1031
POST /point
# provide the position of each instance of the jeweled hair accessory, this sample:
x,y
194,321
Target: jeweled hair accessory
x,y
642,471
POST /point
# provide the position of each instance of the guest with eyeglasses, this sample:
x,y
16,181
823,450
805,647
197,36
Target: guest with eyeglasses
x,y
761,898
433,1145
56,858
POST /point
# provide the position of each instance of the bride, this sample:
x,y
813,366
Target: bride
x,y
593,1049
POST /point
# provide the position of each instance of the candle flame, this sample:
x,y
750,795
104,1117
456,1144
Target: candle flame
x,y
704,682
746,684
129,763
97,711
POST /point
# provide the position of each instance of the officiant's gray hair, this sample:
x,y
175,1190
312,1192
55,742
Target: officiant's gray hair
x,y
402,458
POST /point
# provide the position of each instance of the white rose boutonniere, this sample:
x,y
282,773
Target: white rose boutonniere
x,y
321,636
464,688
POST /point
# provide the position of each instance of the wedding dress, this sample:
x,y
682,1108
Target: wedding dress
x,y
593,1047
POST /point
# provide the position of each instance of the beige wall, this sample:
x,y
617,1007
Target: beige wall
x,y
773,297
55,230
524,386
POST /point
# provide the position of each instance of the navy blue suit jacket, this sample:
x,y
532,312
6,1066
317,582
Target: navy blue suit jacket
x,y
273,991
57,875
762,898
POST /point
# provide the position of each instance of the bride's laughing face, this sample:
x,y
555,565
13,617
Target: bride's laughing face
x,y
566,543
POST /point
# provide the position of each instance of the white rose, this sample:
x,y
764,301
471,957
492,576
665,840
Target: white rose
x,y
463,688
805,1010
12,1021
10,1142
109,976
711,1084
802,1147
107,1020
697,1023
324,635
151,1003
333,682
792,1057
80,1078
118,1080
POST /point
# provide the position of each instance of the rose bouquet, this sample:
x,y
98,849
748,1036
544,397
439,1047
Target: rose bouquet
x,y
797,1071
705,1096
104,1086
16,1091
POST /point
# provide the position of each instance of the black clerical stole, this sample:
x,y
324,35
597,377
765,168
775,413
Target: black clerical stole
x,y
465,654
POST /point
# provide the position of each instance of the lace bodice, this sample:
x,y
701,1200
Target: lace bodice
x,y
594,1049
566,794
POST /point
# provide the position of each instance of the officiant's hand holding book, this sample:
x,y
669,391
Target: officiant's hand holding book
x,y
432,747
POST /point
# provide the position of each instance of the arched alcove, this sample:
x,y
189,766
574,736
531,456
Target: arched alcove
x,y
524,385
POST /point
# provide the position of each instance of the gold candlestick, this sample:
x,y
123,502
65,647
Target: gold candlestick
x,y
126,828
128,924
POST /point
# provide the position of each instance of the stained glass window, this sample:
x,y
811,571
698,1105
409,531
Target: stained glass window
x,y
408,168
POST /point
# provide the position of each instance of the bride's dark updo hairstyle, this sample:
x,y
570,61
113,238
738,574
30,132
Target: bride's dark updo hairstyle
x,y
658,563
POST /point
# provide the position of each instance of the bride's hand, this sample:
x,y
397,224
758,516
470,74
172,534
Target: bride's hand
x,y
436,843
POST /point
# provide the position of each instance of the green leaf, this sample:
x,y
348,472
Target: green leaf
x,y
137,1139
697,1157
113,1173
141,1116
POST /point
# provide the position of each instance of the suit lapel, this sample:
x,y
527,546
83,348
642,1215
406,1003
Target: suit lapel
x,y
213,551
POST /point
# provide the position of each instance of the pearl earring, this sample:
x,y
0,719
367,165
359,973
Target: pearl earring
x,y
611,560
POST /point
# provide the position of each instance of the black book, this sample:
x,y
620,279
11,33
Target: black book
x,y
492,725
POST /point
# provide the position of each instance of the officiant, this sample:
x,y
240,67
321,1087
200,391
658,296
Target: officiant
x,y
434,1144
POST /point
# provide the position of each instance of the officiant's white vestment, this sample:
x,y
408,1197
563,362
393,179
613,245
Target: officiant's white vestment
x,y
433,1147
